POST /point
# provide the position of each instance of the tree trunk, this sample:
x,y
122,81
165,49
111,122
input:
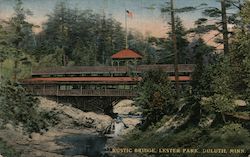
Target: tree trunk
x,y
224,26
15,70
223,117
175,50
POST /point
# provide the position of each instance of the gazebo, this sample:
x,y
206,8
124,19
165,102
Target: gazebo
x,y
125,57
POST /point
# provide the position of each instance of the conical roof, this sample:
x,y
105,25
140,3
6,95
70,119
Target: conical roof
x,y
126,54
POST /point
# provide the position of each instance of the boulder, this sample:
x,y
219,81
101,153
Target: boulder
x,y
71,117
240,103
35,136
9,127
207,121
125,107
174,123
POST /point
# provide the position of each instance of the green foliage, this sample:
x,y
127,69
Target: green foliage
x,y
217,103
231,135
166,55
19,107
213,79
221,80
222,18
19,30
3,44
228,136
167,8
155,95
245,14
213,91
82,37
143,45
54,59
89,58
240,63
240,56
246,62
215,88
16,37
22,69
86,38
200,77
212,12
202,27
7,151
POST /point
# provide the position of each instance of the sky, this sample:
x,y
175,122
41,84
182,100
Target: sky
x,y
147,17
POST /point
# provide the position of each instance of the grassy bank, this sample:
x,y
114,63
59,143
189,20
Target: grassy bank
x,y
7,151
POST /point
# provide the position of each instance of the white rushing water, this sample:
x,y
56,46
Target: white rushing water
x,y
119,127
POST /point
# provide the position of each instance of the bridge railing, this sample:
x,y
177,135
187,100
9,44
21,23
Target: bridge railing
x,y
84,92
108,69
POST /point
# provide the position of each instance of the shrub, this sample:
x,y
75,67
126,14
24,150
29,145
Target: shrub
x,y
155,96
18,106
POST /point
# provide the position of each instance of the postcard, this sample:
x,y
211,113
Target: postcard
x,y
124,78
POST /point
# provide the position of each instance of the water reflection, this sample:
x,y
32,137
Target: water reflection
x,y
84,144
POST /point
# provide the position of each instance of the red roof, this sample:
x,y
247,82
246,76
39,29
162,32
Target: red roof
x,y
127,53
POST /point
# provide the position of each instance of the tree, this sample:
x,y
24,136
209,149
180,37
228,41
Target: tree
x,y
224,26
239,56
228,78
176,61
155,96
166,54
17,106
87,38
18,37
143,45
245,15
213,102
201,52
223,19
3,44
169,8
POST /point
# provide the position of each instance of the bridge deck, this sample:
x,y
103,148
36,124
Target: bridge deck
x,y
82,86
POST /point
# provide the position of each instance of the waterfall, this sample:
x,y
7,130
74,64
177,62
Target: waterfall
x,y
119,127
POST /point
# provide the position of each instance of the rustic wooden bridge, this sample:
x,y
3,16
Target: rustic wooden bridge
x,y
96,81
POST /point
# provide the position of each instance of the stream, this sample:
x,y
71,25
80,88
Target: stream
x,y
91,145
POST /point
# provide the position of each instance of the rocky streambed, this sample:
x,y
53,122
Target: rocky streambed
x,y
77,134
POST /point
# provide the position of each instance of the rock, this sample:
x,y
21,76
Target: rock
x,y
126,110
125,107
174,123
9,127
240,103
239,115
207,121
1,122
131,124
71,117
35,136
